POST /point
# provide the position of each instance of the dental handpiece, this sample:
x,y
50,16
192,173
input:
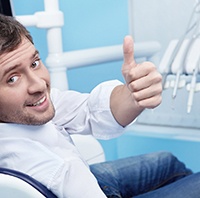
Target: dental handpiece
x,y
192,88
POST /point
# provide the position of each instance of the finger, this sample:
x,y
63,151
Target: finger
x,y
144,75
151,102
148,92
128,50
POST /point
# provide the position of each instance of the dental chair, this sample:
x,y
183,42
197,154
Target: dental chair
x,y
14,184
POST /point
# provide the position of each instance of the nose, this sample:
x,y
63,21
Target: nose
x,y
36,84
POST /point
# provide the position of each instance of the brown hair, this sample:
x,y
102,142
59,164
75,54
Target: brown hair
x,y
11,33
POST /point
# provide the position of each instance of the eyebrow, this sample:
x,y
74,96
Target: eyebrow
x,y
36,53
15,66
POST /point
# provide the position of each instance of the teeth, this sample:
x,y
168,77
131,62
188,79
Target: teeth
x,y
39,102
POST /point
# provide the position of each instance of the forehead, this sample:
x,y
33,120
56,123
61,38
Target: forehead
x,y
23,51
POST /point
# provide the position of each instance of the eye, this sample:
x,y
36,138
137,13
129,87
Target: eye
x,y
35,63
13,79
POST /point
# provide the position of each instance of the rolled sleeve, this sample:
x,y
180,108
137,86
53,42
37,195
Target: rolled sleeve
x,y
101,115
80,113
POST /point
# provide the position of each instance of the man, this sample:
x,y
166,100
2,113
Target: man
x,y
36,123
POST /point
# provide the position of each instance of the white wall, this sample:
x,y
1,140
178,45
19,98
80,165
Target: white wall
x,y
161,20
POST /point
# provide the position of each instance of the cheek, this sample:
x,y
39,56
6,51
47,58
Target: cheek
x,y
11,99
11,106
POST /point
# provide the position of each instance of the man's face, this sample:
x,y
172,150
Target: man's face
x,y
24,87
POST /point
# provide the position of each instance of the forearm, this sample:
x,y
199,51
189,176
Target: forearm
x,y
142,89
123,105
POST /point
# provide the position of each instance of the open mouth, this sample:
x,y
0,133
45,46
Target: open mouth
x,y
38,102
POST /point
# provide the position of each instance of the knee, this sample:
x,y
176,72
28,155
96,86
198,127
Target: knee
x,y
164,155
167,157
173,161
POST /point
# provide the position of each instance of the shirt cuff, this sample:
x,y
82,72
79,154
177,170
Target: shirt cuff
x,y
101,115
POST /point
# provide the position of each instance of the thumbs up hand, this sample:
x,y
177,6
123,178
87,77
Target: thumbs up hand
x,y
142,89
143,80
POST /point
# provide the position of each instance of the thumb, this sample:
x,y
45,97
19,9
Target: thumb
x,y
128,51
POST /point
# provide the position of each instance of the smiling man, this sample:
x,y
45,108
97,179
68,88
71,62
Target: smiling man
x,y
25,86
36,123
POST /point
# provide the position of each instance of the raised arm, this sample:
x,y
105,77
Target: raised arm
x,y
142,89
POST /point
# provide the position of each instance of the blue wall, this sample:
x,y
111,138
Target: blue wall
x,y
87,24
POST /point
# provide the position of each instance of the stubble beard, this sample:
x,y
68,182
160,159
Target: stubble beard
x,y
29,119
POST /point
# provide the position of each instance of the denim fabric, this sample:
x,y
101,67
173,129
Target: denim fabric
x,y
155,175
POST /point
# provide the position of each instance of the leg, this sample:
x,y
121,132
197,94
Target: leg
x,y
137,175
187,187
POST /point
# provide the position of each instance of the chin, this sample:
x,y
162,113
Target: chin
x,y
38,120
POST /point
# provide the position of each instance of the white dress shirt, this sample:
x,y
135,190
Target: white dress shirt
x,y
47,153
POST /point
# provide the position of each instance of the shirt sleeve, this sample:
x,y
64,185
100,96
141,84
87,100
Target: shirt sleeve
x,y
75,180
87,113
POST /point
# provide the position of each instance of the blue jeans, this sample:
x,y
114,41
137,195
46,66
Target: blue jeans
x,y
155,175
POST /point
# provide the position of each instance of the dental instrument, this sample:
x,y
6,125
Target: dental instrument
x,y
192,87
178,63
191,26
183,65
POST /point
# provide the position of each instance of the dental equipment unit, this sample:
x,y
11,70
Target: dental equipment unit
x,y
182,57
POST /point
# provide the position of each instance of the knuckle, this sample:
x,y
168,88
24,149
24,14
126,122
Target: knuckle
x,y
133,87
159,77
149,65
157,101
156,78
136,96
